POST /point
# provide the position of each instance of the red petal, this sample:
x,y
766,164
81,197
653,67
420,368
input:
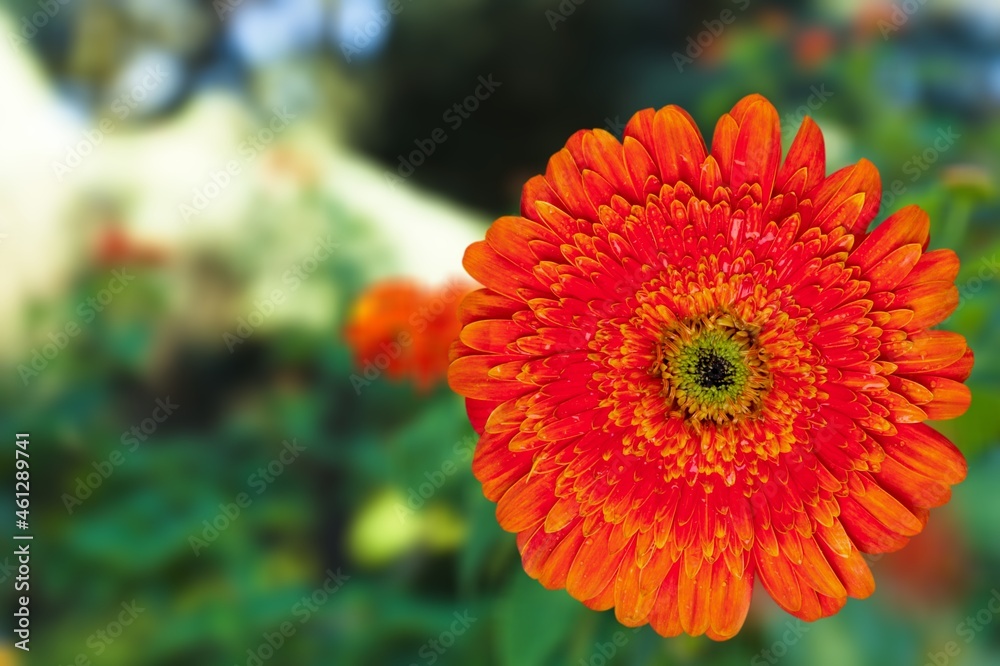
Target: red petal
x,y
594,567
926,451
817,571
730,600
487,304
562,513
665,617
758,148
931,303
678,146
639,163
911,488
631,607
492,335
907,225
494,271
479,412
506,416
512,237
893,269
537,191
566,179
604,155
960,369
937,265
496,466
887,509
852,571
555,570
931,351
694,599
525,504
869,533
470,376
835,191
724,144
640,127
654,571
815,605
807,152
951,399
780,581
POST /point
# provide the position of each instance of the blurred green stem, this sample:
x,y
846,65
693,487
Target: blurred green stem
x,y
957,223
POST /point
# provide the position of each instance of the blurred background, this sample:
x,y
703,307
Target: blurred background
x,y
230,243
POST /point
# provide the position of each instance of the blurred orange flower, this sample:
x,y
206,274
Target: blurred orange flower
x,y
403,330
814,46
774,21
115,247
934,568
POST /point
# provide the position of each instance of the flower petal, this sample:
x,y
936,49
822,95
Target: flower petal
x,y
807,152
908,225
833,198
470,376
730,600
951,399
678,148
499,274
935,266
758,148
931,351
593,567
525,504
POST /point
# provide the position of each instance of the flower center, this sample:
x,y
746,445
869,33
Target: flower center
x,y
712,369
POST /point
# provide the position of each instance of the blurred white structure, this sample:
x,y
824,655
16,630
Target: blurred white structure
x,y
193,180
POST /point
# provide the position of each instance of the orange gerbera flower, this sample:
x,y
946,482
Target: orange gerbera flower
x,y
691,368
402,329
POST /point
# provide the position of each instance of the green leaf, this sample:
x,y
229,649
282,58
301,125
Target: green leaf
x,y
533,622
